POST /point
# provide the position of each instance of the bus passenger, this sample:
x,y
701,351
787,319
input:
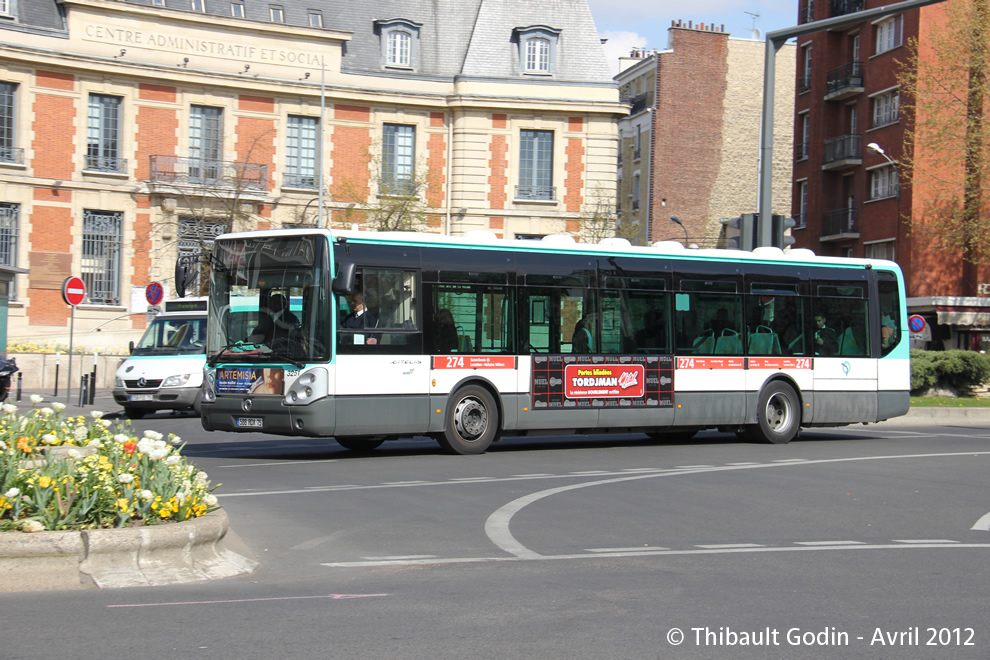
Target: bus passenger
x,y
826,339
581,341
445,340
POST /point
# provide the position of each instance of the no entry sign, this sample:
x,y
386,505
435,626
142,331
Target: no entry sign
x,y
73,290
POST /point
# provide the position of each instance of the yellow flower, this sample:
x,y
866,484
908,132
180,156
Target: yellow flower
x,y
123,503
44,482
164,513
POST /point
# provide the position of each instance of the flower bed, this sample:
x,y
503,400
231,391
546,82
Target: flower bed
x,y
63,472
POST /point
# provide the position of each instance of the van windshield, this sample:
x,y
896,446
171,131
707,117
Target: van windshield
x,y
173,336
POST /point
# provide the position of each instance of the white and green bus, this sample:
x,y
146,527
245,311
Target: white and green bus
x,y
468,338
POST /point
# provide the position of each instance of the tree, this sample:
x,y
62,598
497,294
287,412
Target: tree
x,y
203,198
599,220
945,93
387,197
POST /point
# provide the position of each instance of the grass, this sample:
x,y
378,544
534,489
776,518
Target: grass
x,y
948,402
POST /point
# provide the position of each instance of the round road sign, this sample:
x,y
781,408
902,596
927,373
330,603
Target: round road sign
x,y
73,290
154,293
916,323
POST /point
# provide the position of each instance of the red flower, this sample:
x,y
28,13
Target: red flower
x,y
130,446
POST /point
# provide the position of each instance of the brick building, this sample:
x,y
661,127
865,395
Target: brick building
x,y
690,147
849,142
133,130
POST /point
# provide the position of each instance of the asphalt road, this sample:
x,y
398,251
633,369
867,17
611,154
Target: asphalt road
x,y
864,542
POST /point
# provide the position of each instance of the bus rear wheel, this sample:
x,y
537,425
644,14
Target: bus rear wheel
x,y
778,414
471,421
361,444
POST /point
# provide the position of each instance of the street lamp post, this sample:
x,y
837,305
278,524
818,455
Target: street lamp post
x,y
877,149
677,221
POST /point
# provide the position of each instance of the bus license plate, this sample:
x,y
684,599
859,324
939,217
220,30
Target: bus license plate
x,y
249,422
141,397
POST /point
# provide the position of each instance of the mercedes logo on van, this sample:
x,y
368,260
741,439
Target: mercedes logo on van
x,y
142,382
246,405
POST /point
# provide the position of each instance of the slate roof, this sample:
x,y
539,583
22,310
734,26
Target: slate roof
x,y
473,38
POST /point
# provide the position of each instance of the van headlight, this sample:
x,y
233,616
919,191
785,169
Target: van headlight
x,y
311,385
118,381
176,381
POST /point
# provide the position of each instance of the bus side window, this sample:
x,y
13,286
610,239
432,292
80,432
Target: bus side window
x,y
469,318
890,312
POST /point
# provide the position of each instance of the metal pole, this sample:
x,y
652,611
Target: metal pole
x,y
72,330
58,357
323,110
92,381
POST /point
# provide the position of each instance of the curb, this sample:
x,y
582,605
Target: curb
x,y
939,416
189,551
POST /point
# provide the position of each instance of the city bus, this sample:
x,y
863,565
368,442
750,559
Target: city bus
x,y
464,339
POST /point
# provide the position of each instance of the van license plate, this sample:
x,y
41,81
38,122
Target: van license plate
x,y
142,397
249,422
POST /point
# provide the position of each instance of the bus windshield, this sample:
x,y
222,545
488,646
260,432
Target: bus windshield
x,y
269,300
173,336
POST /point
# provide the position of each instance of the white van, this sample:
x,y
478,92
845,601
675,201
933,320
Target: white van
x,y
165,369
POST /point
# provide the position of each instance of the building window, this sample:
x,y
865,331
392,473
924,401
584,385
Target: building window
x,y
883,182
398,156
315,18
103,134
102,239
300,150
8,154
537,50
277,13
801,151
635,195
205,143
802,196
198,5
890,33
158,3
879,250
804,81
399,42
639,144
886,108
196,235
535,165
5,7
10,215
237,10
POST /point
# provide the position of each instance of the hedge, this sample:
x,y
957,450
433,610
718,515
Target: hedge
x,y
952,370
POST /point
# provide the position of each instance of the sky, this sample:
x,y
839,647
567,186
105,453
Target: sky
x,y
631,24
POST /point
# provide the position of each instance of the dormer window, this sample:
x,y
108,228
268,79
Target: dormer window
x,y
400,43
537,50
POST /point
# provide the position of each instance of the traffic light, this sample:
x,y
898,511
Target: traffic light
x,y
745,226
779,225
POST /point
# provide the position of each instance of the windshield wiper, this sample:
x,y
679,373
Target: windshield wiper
x,y
292,361
213,359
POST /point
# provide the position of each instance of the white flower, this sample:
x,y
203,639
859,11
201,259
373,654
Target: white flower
x,y
200,478
97,414
32,525
49,438
173,460
174,439
154,435
125,478
210,499
180,497
121,438
80,433
146,495
3,445
9,408
74,453
13,492
46,411
58,406
106,423
37,398
94,443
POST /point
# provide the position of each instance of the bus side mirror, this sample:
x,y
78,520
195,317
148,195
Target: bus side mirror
x,y
344,282
180,278
130,345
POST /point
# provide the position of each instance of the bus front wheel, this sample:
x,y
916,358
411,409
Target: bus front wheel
x,y
471,421
778,414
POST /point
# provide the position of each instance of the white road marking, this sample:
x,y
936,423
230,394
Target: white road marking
x,y
312,543
789,460
644,549
587,472
399,558
693,467
497,525
473,479
719,546
739,464
278,463
823,543
924,541
983,524
529,476
650,553
403,483
642,469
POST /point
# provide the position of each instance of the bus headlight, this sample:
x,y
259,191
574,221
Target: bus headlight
x,y
208,390
313,384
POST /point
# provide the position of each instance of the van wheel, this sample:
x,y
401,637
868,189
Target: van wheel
x,y
778,414
134,413
471,421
